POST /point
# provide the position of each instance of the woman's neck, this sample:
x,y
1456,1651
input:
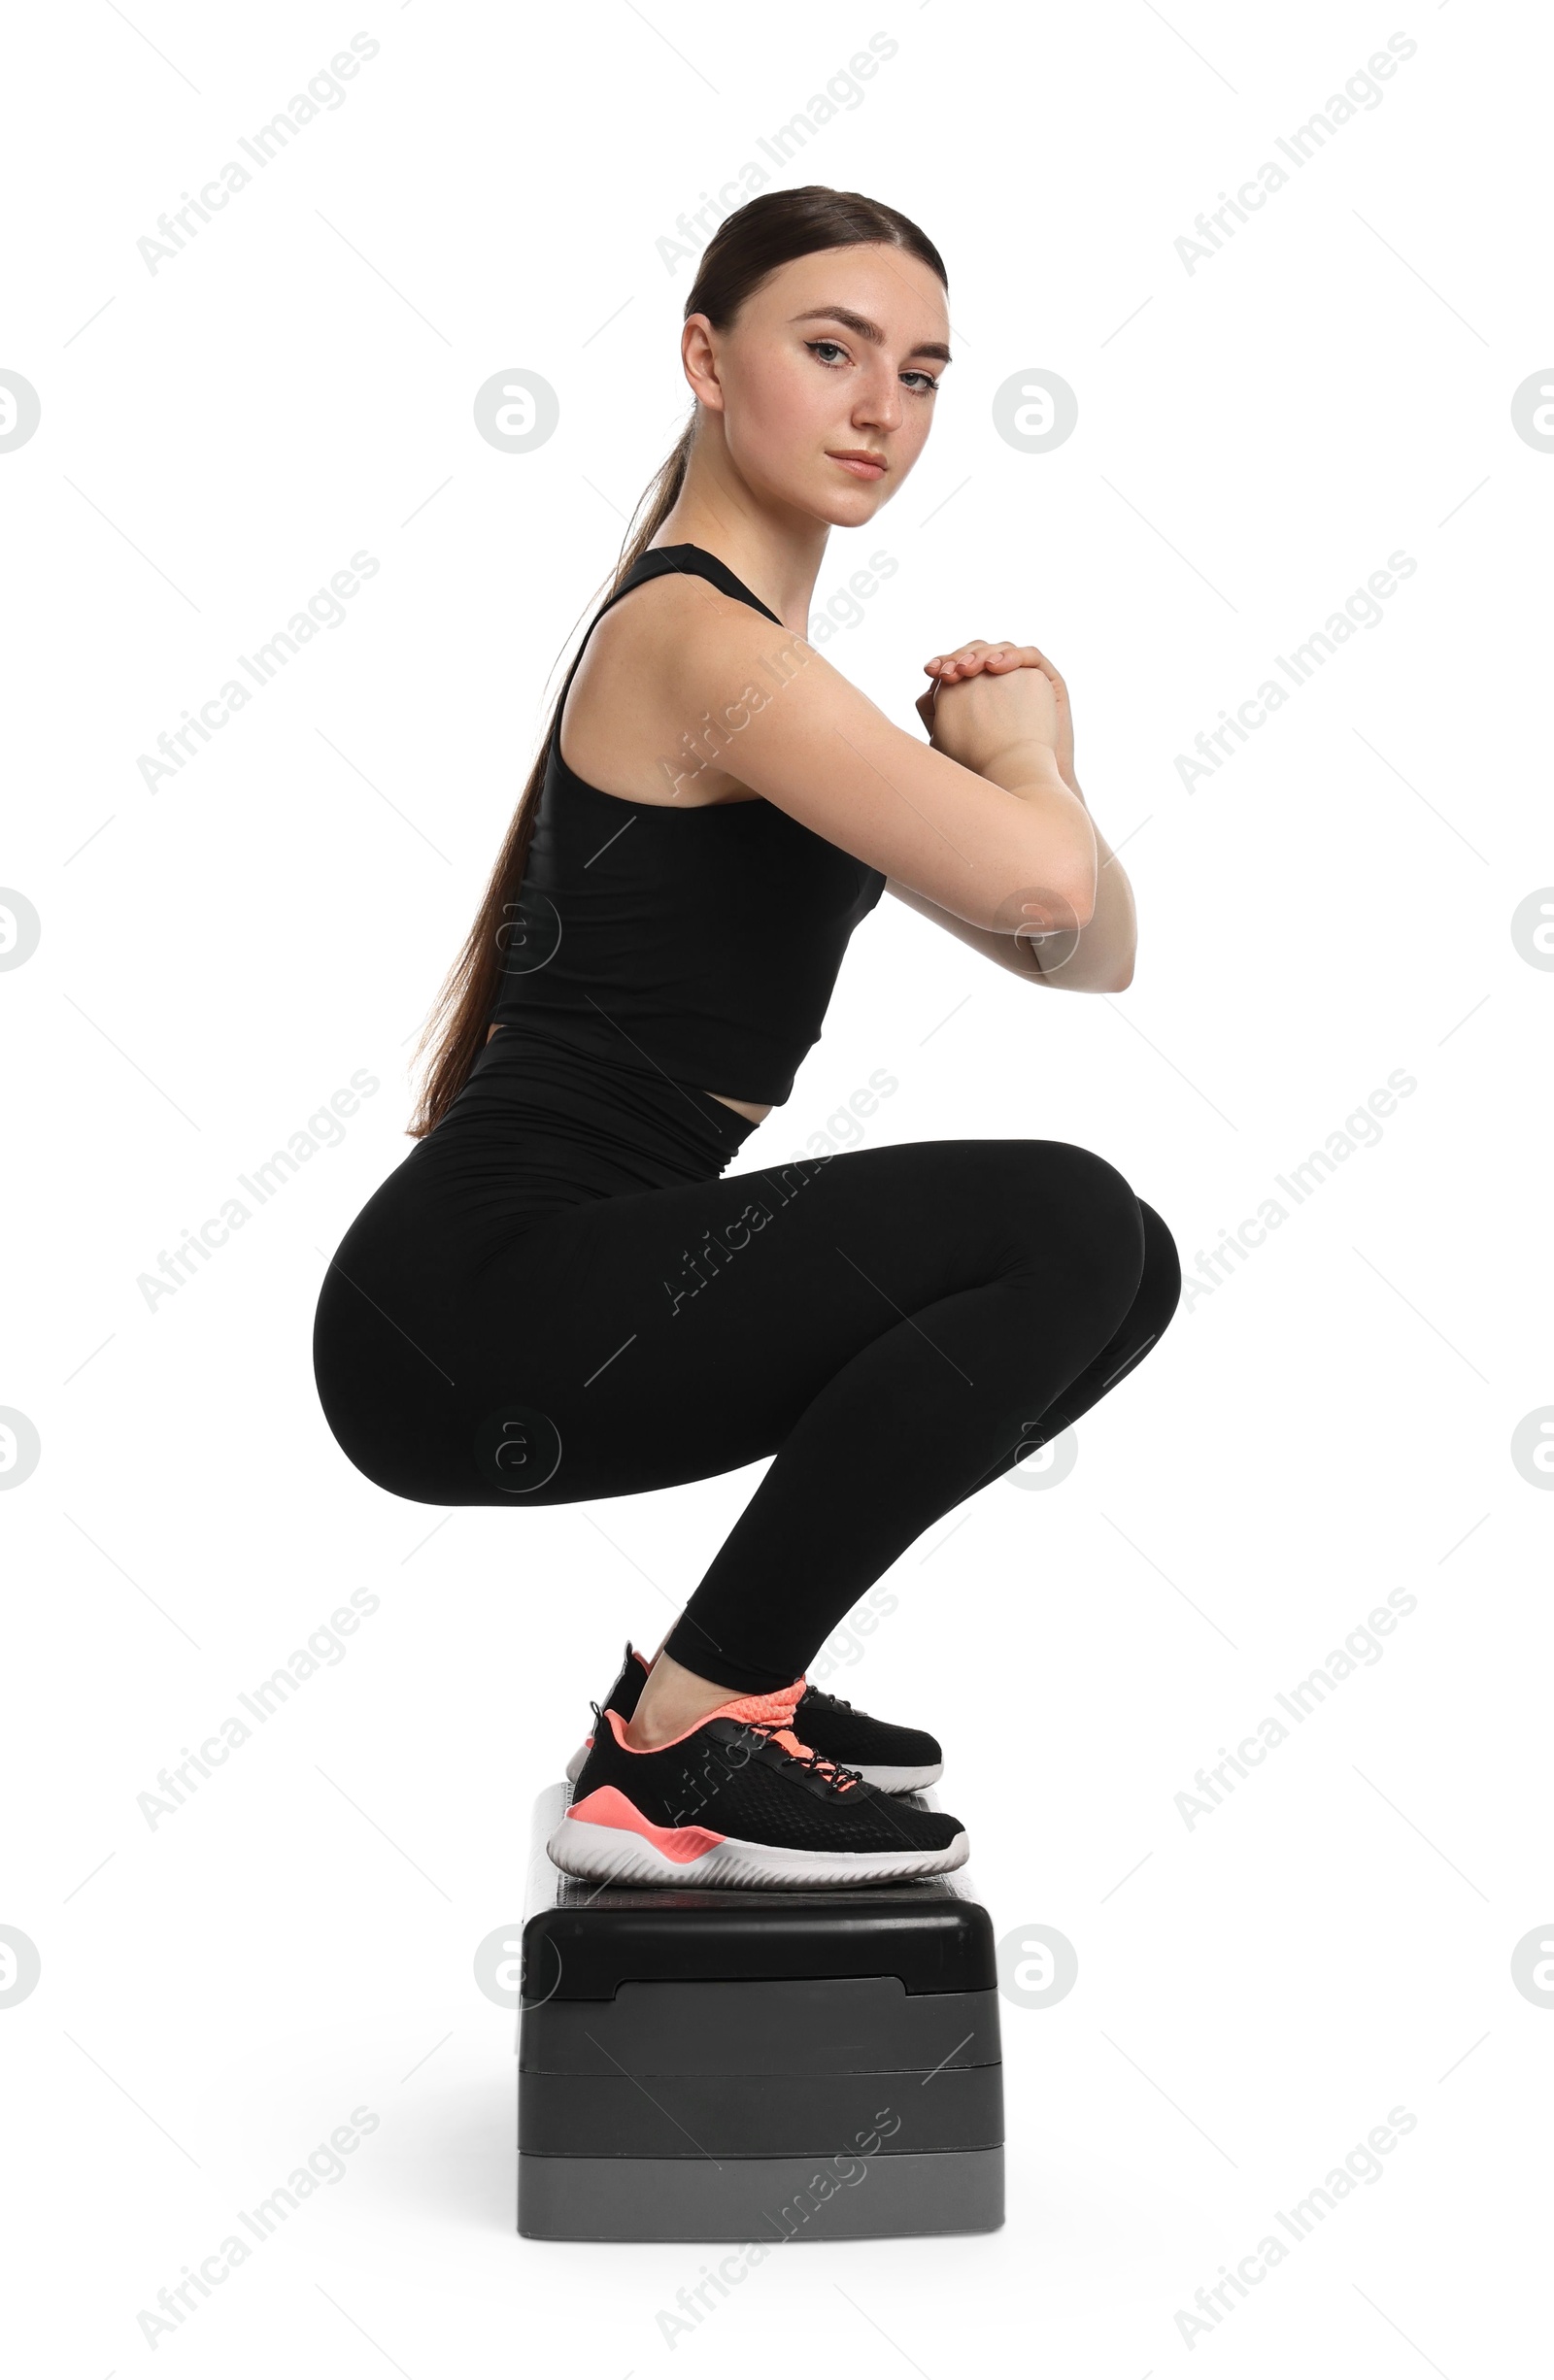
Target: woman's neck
x,y
775,551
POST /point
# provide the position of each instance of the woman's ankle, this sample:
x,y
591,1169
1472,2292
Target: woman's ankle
x,y
673,1700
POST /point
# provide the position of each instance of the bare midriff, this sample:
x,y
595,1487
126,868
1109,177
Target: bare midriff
x,y
749,1109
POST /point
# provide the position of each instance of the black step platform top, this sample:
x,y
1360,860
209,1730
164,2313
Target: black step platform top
x,y
582,1941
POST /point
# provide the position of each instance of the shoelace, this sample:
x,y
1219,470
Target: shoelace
x,y
838,1777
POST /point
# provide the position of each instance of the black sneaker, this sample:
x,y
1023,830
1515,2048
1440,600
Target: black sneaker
x,y
742,1800
896,1759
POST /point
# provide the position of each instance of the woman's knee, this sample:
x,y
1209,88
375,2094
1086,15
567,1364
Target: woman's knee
x,y
1103,1220
1076,1224
1159,1287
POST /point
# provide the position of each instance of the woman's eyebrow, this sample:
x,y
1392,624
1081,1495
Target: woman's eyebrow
x,y
865,329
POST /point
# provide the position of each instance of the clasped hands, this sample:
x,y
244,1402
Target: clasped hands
x,y
987,695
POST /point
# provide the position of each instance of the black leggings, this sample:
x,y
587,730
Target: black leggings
x,y
559,1294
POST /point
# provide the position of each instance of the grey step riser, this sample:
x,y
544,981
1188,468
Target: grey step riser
x,y
811,2026
758,2116
775,2201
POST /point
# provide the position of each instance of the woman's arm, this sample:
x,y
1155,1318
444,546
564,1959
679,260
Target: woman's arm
x,y
971,840
1094,958
1096,955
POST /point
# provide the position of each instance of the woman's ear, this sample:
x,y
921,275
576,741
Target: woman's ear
x,y
699,353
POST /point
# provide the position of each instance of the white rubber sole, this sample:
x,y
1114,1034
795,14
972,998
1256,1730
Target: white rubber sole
x,y
616,1855
888,1780
903,1780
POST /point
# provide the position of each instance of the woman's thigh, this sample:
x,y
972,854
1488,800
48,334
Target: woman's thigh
x,y
633,1343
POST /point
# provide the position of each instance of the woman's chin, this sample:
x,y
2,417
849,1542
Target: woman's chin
x,y
847,508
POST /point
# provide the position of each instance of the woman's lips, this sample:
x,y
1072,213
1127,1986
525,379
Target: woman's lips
x,y
859,465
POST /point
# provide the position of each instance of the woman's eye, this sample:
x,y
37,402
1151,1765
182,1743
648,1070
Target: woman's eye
x,y
923,384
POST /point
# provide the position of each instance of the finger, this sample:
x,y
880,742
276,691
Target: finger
x,y
1038,659
981,653
965,661
998,658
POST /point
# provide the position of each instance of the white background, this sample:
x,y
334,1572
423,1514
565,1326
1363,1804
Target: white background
x,y
1332,1421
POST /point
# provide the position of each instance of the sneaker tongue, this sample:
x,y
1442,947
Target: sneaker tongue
x,y
773,1710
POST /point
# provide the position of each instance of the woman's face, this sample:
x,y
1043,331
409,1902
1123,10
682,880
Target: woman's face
x,y
837,356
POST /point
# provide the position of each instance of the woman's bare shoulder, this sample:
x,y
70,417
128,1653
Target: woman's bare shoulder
x,y
627,715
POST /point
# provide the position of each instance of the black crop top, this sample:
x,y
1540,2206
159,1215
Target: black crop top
x,y
703,942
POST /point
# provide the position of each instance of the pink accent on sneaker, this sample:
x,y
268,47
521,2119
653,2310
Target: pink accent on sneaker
x,y
608,1806
749,1710
770,1713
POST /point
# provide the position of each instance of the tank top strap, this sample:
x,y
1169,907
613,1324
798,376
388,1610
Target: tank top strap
x,y
692,560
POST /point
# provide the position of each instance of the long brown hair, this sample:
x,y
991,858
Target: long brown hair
x,y
769,231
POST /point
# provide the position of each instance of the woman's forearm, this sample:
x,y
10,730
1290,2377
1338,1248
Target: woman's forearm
x,y
1070,868
1102,958
1103,961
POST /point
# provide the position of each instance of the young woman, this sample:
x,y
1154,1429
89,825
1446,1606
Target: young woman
x,y
562,1292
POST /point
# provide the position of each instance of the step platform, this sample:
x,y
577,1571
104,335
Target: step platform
x,y
755,2066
